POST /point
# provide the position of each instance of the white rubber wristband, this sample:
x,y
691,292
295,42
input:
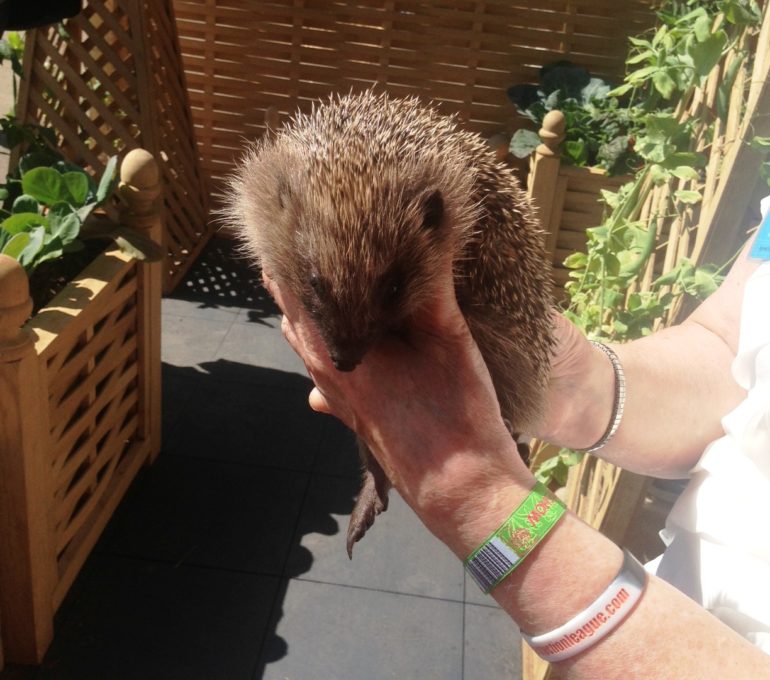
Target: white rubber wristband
x,y
598,620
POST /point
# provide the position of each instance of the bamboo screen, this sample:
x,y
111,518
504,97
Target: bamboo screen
x,y
114,82
242,56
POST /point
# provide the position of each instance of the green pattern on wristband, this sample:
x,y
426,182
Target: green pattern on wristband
x,y
505,548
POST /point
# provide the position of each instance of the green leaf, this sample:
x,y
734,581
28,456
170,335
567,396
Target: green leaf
x,y
66,227
76,184
760,143
664,84
640,42
646,54
53,249
702,28
706,55
611,198
523,143
741,13
688,196
22,222
695,160
642,74
658,174
25,204
106,182
576,151
14,246
576,261
620,328
620,90
33,247
45,185
610,152
685,172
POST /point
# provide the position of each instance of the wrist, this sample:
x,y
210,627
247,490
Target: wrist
x,y
581,406
465,513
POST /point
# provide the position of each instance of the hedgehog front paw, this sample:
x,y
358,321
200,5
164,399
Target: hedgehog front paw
x,y
371,501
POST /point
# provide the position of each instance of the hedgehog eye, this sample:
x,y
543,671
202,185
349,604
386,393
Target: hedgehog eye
x,y
391,292
315,282
433,211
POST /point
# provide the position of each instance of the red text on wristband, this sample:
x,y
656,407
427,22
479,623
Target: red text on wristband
x,y
598,620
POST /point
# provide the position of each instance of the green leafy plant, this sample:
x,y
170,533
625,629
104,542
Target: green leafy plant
x,y
47,217
48,203
599,130
665,67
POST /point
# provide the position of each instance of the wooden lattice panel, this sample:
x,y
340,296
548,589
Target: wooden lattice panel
x,y
243,56
116,83
92,367
579,211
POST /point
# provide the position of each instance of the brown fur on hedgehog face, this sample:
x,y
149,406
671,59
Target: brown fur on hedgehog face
x,y
356,216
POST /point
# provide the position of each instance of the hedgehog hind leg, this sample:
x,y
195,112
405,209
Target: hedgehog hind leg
x,y
372,498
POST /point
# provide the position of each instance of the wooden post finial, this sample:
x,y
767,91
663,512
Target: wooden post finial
x,y
552,133
139,188
15,307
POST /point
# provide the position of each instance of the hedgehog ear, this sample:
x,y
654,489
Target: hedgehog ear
x,y
433,211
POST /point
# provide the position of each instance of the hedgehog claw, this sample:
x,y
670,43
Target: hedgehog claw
x,y
371,501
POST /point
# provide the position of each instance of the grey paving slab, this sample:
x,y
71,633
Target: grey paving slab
x,y
177,384
492,645
249,422
189,341
222,276
195,512
260,344
198,309
474,595
338,451
398,554
328,632
134,620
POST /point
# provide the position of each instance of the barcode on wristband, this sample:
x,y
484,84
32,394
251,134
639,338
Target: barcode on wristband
x,y
491,564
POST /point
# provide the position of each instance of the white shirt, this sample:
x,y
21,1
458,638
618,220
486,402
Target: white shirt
x,y
718,532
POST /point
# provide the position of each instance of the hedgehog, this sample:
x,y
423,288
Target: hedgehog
x,y
353,208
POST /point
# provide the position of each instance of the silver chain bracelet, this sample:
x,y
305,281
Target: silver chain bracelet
x,y
620,397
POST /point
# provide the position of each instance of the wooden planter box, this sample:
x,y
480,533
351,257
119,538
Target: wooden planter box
x,y
568,198
79,415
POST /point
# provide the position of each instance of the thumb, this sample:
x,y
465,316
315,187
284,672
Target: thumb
x,y
442,313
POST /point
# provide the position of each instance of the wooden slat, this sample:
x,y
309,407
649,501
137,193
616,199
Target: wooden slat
x,y
462,54
118,84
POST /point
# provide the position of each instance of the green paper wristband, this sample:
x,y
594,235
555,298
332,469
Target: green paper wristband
x,y
504,550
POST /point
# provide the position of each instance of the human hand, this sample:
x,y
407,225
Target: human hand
x,y
424,403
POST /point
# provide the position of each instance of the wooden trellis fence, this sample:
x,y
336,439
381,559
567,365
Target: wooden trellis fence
x,y
245,56
115,82
711,231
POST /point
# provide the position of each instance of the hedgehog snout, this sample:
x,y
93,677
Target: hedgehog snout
x,y
346,358
345,365
347,354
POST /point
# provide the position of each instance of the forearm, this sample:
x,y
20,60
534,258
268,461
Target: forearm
x,y
666,635
678,387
